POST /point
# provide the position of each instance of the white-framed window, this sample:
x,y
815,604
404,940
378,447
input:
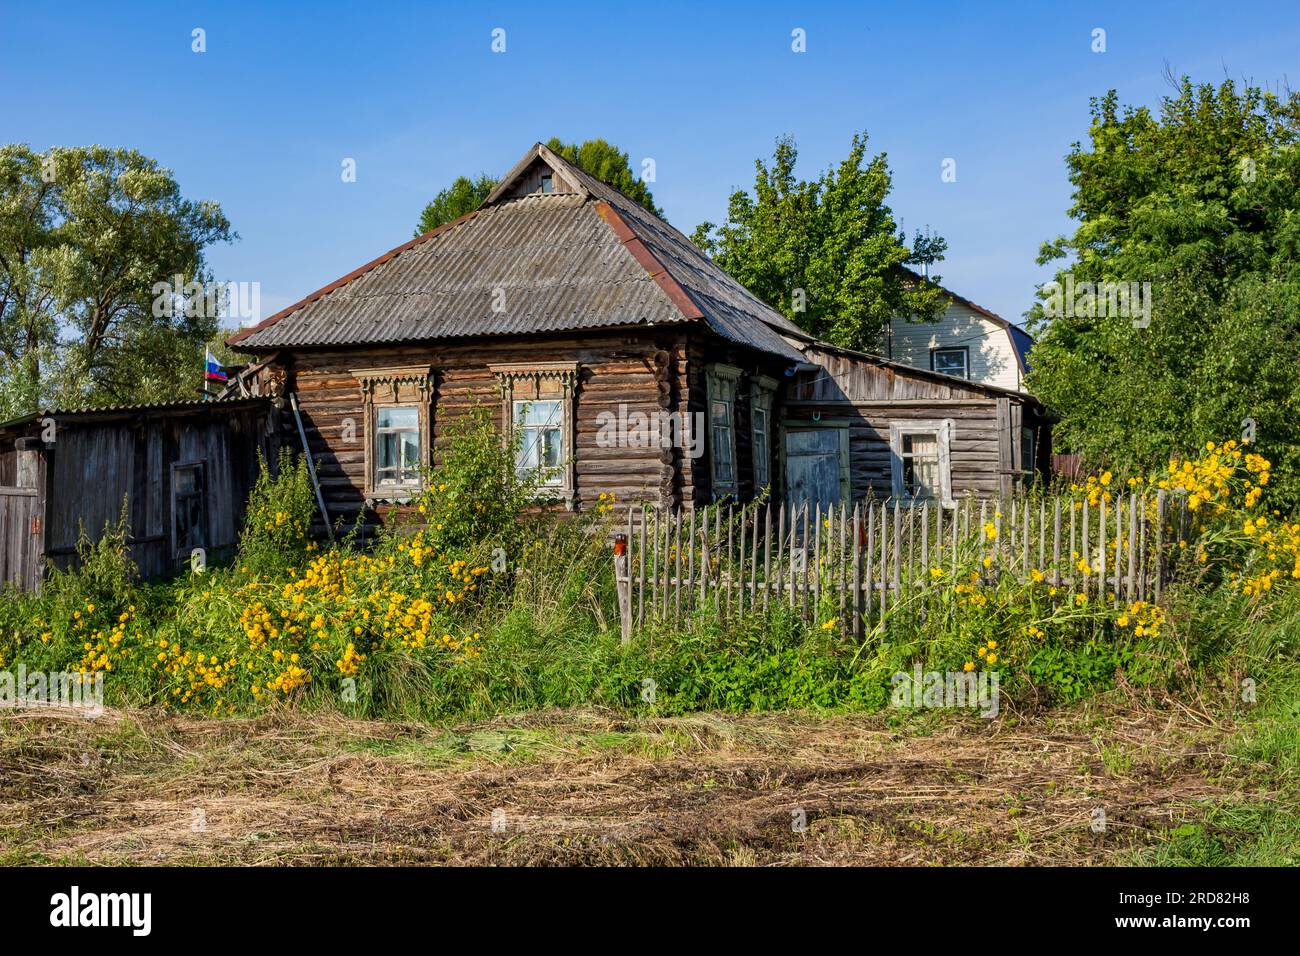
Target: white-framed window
x,y
722,381
761,392
396,404
538,409
920,460
951,361
540,424
397,456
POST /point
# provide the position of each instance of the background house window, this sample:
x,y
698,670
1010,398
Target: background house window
x,y
189,508
951,361
920,460
397,446
540,424
547,184
722,431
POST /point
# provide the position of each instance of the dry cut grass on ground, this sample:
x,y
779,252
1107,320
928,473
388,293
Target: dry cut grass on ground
x,y
588,787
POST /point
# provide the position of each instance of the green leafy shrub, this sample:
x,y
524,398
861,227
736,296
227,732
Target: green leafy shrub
x,y
277,524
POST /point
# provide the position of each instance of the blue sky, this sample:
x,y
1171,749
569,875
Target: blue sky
x,y
262,121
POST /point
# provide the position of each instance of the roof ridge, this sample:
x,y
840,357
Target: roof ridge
x,y
681,299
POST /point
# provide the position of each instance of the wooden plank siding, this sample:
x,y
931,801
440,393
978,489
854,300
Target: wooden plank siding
x,y
102,462
974,448
868,395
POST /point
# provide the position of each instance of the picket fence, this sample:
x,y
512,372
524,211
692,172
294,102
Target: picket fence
x,y
858,565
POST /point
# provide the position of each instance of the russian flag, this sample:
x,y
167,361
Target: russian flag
x,y
213,371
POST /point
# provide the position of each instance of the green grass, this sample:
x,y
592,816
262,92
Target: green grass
x,y
1260,824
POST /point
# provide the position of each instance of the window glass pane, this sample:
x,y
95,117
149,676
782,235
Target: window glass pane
x,y
722,470
920,454
527,459
721,412
397,416
950,361
551,453
186,480
388,451
410,450
538,412
760,447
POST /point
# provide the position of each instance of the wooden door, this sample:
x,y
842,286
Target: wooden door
x,y
816,465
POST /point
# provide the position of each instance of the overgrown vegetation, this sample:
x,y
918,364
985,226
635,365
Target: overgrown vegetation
x,y
1199,199
487,606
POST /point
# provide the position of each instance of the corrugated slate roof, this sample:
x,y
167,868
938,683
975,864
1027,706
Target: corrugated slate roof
x,y
543,262
142,408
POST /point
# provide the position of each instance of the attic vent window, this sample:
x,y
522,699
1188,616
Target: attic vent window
x,y
546,183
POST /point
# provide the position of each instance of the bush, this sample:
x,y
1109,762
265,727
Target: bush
x,y
277,524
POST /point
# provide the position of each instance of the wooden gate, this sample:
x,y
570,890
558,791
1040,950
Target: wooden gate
x,y
21,538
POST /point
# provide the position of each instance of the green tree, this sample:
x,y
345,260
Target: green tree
x,y
462,196
827,253
1203,202
594,156
86,234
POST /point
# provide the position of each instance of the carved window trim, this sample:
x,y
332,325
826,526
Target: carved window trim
x,y
410,385
523,382
723,381
762,393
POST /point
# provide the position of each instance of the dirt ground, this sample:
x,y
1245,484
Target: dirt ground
x,y
574,787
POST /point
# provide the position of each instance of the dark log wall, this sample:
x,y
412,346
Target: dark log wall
x,y
642,370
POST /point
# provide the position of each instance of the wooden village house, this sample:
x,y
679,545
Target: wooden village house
x,y
567,307
577,316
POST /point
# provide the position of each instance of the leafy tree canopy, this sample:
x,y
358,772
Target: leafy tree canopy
x,y
462,196
85,235
1201,200
594,156
826,253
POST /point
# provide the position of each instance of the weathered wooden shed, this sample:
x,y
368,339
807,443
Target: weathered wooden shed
x,y
182,471
855,424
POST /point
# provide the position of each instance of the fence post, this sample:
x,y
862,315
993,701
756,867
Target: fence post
x,y
623,582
